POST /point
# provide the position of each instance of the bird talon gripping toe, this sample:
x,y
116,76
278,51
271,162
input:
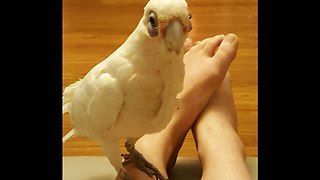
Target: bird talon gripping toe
x,y
124,175
143,165
127,160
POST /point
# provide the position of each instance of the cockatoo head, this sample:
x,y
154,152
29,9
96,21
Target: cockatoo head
x,y
168,21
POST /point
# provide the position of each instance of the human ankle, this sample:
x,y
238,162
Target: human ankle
x,y
219,141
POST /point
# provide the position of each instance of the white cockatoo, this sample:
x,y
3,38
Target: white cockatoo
x,y
133,92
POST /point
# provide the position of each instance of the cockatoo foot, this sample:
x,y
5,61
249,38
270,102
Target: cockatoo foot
x,y
124,175
141,162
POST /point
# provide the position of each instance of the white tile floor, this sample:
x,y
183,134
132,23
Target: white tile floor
x,y
98,168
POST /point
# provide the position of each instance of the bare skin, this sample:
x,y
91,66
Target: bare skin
x,y
208,109
219,147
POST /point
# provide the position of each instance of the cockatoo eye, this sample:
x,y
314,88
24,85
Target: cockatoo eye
x,y
190,16
153,24
153,20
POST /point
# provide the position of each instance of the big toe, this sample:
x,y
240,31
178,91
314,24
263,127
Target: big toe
x,y
226,51
187,44
228,48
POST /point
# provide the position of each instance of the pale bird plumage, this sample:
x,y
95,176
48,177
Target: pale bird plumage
x,y
133,91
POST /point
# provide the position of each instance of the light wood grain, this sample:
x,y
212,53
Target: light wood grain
x,y
93,29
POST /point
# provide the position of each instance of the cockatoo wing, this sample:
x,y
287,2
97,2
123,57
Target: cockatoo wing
x,y
95,101
68,95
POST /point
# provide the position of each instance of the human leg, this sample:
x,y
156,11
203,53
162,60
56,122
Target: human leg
x,y
220,149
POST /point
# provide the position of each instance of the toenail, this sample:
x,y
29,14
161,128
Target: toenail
x,y
229,38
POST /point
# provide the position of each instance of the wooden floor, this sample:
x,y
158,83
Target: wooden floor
x,y
93,29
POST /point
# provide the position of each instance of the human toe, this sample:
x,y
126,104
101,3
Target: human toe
x,y
228,47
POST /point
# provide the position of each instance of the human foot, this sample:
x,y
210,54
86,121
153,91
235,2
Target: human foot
x,y
206,65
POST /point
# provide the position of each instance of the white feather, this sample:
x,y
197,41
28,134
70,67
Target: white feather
x,y
133,91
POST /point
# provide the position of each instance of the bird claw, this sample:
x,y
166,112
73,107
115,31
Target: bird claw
x,y
127,160
142,164
124,175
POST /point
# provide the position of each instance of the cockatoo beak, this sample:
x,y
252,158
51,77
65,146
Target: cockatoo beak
x,y
174,36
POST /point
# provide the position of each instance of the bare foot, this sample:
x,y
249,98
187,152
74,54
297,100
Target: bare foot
x,y
206,65
187,44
